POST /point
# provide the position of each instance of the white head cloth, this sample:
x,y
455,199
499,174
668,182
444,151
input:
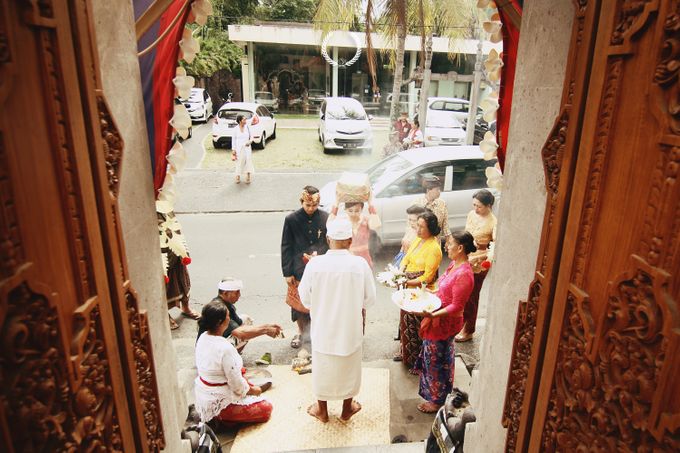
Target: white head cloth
x,y
230,284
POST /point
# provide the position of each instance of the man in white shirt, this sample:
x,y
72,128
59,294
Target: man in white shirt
x,y
337,287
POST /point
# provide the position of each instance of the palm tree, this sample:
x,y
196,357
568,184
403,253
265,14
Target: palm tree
x,y
451,19
394,23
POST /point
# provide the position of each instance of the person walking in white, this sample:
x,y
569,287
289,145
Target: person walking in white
x,y
242,151
337,287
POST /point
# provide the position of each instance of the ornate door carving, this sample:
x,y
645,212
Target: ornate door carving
x,y
76,366
596,355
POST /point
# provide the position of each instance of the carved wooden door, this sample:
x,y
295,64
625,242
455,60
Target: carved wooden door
x,y
76,369
596,358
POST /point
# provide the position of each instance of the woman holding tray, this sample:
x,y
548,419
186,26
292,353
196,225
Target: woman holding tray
x,y
420,265
439,328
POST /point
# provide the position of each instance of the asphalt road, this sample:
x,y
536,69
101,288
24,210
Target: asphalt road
x,y
246,246
193,146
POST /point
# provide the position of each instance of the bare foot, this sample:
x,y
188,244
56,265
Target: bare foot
x,y
314,411
354,408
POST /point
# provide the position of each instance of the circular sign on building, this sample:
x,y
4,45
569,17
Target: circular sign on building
x,y
324,51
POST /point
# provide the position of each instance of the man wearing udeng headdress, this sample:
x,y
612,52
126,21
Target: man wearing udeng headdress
x,y
304,236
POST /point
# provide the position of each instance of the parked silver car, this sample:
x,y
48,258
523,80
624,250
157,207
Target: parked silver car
x,y
199,105
267,99
397,183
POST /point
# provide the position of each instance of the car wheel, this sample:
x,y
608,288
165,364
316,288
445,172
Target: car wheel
x,y
263,141
216,144
273,134
191,132
320,139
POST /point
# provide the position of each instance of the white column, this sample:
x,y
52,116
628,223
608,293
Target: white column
x,y
335,72
412,101
474,97
251,69
245,79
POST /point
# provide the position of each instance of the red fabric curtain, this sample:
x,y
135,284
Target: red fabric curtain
x,y
509,57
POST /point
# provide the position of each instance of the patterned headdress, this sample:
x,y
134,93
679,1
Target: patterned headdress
x,y
306,197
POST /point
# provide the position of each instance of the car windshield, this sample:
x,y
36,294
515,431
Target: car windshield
x,y
449,106
196,96
232,114
346,112
264,95
393,164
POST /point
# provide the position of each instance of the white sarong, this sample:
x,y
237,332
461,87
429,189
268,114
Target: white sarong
x,y
336,377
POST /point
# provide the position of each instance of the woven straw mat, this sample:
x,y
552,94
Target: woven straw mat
x,y
291,428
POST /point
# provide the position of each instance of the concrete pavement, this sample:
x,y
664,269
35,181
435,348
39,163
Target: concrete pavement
x,y
235,230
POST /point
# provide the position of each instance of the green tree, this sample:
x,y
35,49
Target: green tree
x,y
287,10
217,52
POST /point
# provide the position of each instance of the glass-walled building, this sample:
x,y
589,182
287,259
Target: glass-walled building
x,y
286,62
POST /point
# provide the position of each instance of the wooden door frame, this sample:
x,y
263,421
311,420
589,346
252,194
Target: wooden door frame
x,y
559,160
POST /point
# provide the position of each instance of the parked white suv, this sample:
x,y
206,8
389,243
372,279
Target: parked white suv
x,y
199,105
397,183
344,124
446,119
259,119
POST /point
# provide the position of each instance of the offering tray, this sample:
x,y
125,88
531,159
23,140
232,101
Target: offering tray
x,y
416,300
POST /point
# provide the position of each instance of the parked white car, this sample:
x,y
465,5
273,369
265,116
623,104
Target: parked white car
x,y
199,105
267,99
259,119
397,184
344,124
446,118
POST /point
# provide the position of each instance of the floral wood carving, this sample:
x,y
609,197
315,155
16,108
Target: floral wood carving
x,y
44,411
666,72
519,363
39,13
597,169
112,143
608,392
146,374
552,154
10,236
66,165
631,16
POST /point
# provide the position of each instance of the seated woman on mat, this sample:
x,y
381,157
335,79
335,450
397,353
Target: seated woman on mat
x,y
222,393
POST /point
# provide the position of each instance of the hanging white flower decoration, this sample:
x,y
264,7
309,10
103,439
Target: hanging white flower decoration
x,y
493,65
489,106
494,26
183,83
188,46
494,178
200,10
489,146
164,262
167,192
177,158
181,121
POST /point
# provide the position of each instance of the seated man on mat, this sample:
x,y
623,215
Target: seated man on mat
x,y
336,288
240,328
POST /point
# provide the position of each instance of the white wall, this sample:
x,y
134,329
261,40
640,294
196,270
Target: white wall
x,y
115,30
543,48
